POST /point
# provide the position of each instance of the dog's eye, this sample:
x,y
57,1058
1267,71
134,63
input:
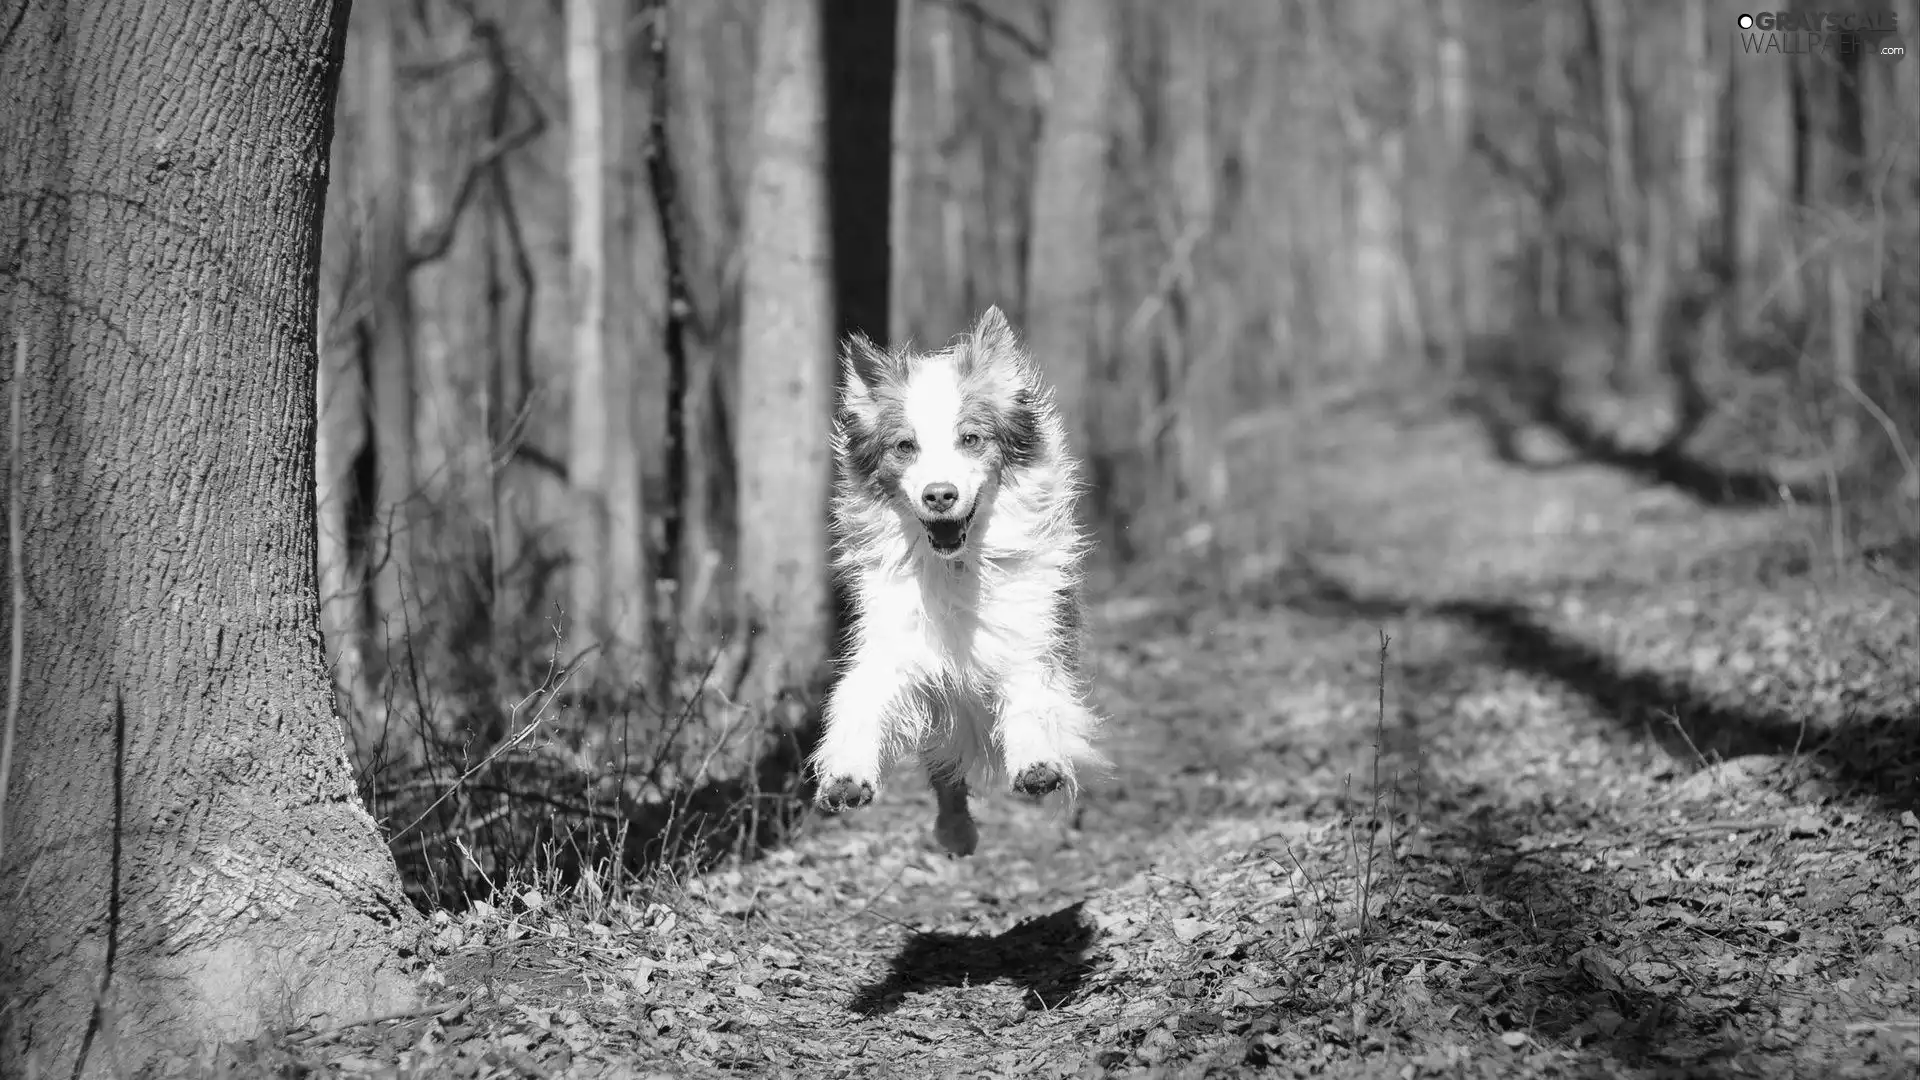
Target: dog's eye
x,y
969,441
906,446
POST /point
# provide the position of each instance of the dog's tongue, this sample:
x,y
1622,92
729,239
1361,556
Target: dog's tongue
x,y
946,535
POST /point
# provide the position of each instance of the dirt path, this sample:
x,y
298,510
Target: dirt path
x,y
1534,875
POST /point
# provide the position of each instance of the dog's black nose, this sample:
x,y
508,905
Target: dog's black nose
x,y
940,498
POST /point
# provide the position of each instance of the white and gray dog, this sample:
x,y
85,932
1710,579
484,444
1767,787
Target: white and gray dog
x,y
954,530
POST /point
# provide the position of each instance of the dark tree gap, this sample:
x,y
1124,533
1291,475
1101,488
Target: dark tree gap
x,y
859,51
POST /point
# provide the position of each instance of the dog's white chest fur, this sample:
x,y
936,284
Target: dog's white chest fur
x,y
962,622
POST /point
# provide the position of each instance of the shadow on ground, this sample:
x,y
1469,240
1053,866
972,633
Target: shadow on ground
x,y
1576,930
1670,465
1870,756
1045,956
1569,923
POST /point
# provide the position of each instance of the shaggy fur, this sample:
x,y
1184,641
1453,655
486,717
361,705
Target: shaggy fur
x,y
954,530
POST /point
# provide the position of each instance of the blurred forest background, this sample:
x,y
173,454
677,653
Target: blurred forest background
x,y
586,263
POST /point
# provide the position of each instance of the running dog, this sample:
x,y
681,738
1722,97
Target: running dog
x,y
954,530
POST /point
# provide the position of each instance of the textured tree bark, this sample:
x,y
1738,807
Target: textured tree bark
x,y
786,356
183,842
1063,261
609,576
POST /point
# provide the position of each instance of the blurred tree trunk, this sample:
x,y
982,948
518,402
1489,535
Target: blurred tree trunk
x,y
507,310
1642,220
340,437
343,433
609,587
456,352
510,292
1432,181
1064,251
389,356
710,102
1843,319
1891,100
786,357
1756,184
1622,177
1198,376
1553,284
183,802
1700,98
667,229
933,163
652,379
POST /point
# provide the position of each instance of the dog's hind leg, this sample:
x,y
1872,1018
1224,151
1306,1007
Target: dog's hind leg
x,y
953,825
950,747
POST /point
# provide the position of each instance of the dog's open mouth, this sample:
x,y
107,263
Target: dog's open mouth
x,y
947,535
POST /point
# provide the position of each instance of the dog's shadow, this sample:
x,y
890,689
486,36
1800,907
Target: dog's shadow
x,y
1045,956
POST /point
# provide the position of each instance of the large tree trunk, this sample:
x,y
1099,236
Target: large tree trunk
x,y
610,575
183,844
1063,262
786,356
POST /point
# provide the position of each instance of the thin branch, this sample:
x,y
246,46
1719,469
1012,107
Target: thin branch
x,y
1035,49
439,239
541,460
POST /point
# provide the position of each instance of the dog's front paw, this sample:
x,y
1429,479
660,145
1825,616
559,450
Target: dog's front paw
x,y
1038,780
843,793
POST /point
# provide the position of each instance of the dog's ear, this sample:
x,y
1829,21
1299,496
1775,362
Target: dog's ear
x,y
862,364
992,337
990,344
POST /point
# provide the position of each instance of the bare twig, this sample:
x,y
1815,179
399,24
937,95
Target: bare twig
x,y
509,743
1907,463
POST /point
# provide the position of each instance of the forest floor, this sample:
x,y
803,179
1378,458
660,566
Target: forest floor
x,y
1633,798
